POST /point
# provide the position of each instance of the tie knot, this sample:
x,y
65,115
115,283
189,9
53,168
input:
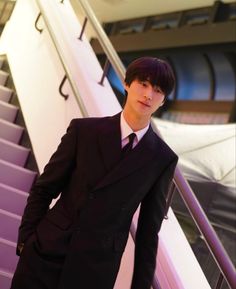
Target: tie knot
x,y
132,137
128,147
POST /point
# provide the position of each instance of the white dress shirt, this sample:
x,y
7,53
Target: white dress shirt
x,y
126,130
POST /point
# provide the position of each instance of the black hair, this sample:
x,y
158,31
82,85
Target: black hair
x,y
157,71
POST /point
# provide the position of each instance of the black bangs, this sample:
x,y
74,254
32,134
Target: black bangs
x,y
158,72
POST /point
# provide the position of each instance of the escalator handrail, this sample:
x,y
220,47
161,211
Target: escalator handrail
x,y
104,41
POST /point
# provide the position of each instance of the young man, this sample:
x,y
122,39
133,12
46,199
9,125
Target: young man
x,y
103,174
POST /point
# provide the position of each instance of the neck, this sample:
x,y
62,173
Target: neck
x,y
135,122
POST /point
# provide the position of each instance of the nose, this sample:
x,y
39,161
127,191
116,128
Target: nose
x,y
148,97
149,94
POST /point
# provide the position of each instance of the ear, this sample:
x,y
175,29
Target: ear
x,y
125,85
163,102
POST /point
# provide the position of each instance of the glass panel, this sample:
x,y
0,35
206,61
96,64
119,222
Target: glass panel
x,y
225,87
197,19
232,12
130,27
193,76
197,242
162,23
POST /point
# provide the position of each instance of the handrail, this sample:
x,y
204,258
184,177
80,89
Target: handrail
x,y
212,240
215,246
69,76
108,48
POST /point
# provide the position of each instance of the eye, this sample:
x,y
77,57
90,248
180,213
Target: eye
x,y
158,90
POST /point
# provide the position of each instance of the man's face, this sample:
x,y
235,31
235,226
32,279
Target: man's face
x,y
143,99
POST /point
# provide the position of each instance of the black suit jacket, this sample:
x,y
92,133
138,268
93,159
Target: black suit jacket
x,y
89,225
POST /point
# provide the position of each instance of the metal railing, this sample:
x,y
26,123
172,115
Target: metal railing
x,y
68,74
216,248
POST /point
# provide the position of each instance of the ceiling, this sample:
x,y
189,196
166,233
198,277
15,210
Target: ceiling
x,y
112,10
115,10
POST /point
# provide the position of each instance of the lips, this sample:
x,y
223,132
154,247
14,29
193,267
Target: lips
x,y
145,104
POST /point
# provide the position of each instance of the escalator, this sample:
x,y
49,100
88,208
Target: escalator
x,y
15,178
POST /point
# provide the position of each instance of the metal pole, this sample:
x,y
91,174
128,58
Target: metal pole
x,y
215,246
104,40
83,28
105,70
220,281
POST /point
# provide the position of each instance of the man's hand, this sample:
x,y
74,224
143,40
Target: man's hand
x,y
20,248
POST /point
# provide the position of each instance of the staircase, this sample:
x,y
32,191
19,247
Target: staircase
x,y
17,174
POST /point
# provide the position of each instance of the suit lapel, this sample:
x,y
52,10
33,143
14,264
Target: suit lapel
x,y
110,142
145,151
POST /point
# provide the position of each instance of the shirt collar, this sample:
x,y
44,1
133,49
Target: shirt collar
x,y
126,130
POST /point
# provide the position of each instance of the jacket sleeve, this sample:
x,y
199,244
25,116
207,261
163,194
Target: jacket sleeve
x,y
49,184
151,215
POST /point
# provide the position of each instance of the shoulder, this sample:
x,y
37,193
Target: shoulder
x,y
164,149
94,124
88,121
